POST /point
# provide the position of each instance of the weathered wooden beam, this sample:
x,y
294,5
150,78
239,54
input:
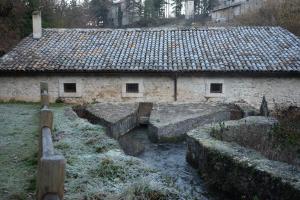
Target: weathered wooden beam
x,y
46,121
44,98
51,197
51,176
46,118
47,144
51,168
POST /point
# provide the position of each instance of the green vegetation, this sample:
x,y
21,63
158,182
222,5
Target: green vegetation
x,y
218,131
143,190
18,150
281,142
286,134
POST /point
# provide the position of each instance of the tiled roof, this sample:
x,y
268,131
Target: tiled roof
x,y
260,49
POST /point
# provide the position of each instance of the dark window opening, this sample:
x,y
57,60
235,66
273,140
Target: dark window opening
x,y
132,87
216,87
70,87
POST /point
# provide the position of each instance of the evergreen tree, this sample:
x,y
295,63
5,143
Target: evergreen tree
x,y
154,8
203,7
177,7
99,10
134,9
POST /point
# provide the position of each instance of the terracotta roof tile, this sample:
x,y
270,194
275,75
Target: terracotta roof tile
x,y
214,49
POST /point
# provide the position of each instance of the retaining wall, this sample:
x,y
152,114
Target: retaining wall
x,y
242,172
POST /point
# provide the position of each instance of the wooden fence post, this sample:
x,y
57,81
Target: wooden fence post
x,y
51,176
44,99
51,167
51,171
44,94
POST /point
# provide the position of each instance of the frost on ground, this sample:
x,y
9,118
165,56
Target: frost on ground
x,y
96,166
18,146
98,169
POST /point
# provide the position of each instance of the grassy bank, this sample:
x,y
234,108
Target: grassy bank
x,y
97,168
18,147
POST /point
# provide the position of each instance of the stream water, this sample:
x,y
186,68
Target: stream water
x,y
169,158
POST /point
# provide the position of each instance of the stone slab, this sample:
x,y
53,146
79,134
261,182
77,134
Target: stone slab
x,y
170,122
119,118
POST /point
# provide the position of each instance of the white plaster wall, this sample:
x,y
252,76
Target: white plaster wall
x,y
26,88
279,90
89,88
156,89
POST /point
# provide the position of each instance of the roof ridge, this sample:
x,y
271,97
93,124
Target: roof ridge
x,y
204,28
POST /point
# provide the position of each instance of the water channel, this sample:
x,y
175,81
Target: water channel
x,y
169,158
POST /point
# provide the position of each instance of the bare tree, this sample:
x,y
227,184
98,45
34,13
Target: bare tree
x,y
285,13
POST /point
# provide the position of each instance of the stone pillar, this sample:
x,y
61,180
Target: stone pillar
x,y
189,9
125,17
37,24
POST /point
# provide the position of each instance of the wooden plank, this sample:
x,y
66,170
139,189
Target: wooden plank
x,y
47,144
46,118
51,176
44,98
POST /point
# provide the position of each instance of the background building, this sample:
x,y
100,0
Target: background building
x,y
228,9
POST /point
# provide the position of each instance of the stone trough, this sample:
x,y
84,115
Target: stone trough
x,y
230,167
167,122
118,118
170,122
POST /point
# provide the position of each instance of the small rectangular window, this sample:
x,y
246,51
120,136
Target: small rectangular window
x,y
216,88
132,87
70,87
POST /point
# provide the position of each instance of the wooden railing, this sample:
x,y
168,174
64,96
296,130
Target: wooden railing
x,y
51,167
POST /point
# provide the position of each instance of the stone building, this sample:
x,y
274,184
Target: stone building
x,y
119,14
155,65
189,9
228,9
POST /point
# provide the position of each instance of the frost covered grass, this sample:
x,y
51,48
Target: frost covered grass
x,y
97,168
18,150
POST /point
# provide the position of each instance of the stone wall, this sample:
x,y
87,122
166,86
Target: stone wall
x,y
282,90
89,88
154,89
239,171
